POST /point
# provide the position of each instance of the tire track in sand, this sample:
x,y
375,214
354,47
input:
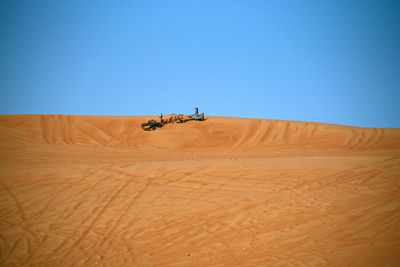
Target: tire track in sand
x,y
11,250
24,222
55,195
16,202
113,195
122,215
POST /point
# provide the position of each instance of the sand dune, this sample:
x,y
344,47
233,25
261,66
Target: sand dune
x,y
100,191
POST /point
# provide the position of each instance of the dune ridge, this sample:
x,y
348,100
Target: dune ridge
x,y
217,132
100,191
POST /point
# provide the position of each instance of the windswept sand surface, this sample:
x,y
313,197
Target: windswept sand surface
x,y
100,191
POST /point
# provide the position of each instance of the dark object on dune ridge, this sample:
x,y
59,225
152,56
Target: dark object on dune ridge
x,y
152,125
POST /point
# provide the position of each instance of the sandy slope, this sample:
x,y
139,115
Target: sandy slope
x,y
100,191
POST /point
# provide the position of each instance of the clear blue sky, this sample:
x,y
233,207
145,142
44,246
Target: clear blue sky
x,y
323,61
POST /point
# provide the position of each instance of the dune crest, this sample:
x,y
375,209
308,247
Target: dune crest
x,y
216,132
100,191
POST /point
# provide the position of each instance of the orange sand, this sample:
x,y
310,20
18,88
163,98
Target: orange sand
x,y
100,191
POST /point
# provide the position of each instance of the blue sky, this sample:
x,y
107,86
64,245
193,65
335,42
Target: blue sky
x,y
323,61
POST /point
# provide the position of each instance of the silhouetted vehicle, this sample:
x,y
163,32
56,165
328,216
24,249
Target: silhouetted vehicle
x,y
152,125
196,116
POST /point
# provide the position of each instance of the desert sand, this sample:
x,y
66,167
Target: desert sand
x,y
100,191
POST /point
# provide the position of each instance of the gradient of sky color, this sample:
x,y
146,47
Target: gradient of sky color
x,y
322,61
